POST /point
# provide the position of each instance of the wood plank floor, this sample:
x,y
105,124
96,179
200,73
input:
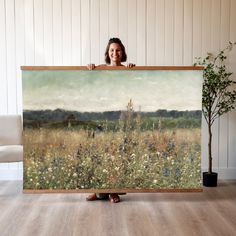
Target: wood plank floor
x,y
211,212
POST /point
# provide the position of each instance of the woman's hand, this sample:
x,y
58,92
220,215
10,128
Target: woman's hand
x,y
91,66
130,65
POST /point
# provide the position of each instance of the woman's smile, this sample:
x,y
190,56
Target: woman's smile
x,y
115,54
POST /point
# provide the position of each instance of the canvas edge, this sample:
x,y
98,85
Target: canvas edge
x,y
32,191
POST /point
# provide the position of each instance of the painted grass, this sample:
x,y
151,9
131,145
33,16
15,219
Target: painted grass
x,y
73,159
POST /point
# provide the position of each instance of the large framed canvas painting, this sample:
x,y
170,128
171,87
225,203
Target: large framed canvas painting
x,y
112,129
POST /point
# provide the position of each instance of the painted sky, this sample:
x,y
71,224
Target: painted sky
x,y
111,90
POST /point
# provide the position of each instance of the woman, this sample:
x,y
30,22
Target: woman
x,y
114,55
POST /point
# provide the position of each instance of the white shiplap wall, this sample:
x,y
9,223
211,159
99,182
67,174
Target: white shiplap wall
x,y
155,32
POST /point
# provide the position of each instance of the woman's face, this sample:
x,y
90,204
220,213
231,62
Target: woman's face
x,y
115,53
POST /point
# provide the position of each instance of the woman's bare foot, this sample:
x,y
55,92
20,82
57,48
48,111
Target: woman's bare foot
x,y
114,198
92,197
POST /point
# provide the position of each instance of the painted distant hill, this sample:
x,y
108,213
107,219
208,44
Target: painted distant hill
x,y
62,118
60,114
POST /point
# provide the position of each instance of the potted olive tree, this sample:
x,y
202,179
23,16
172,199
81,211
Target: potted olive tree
x,y
218,98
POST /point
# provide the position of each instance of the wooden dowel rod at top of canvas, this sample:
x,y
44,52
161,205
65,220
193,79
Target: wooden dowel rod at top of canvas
x,y
103,67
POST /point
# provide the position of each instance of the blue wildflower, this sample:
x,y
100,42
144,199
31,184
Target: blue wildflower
x,y
170,145
177,172
166,172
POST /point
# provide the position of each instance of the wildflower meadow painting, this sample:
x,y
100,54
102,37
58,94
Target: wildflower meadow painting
x,y
112,129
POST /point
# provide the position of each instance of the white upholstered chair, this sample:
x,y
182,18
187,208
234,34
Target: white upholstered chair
x,y
11,148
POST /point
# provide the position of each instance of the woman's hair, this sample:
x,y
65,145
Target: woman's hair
x,y
118,41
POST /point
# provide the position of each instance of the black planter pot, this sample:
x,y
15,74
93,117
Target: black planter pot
x,y
210,179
